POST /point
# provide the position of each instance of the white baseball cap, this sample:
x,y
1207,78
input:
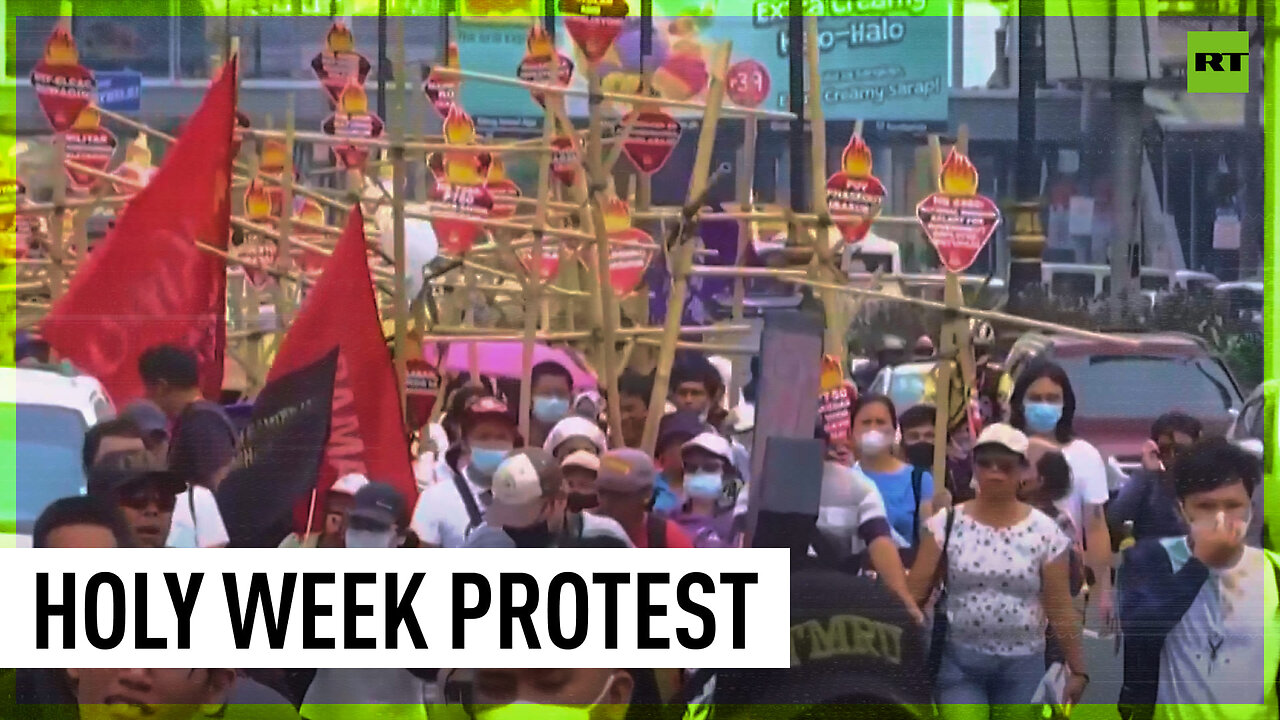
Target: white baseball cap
x,y
349,484
572,427
714,443
520,486
1004,436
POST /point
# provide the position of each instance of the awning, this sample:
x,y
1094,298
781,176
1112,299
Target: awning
x,y
1179,111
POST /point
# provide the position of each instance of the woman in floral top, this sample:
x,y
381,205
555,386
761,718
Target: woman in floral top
x,y
1006,573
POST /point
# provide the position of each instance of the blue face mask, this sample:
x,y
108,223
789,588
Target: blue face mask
x,y
1042,417
708,486
486,460
550,409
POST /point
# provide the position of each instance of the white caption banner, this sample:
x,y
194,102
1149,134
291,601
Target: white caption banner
x,y
132,608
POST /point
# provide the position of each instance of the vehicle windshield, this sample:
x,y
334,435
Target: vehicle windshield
x,y
1067,284
1242,299
1145,386
1154,282
46,454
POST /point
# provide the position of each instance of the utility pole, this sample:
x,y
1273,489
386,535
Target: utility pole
x,y
1027,238
1126,167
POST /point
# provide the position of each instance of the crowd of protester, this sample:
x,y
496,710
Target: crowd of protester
x,y
993,574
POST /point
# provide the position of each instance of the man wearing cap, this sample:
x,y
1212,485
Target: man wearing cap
x,y
528,507
674,430
197,521
711,484
580,470
143,489
447,511
378,518
337,504
572,434
625,485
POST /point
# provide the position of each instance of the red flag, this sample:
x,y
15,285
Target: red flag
x,y
147,283
366,432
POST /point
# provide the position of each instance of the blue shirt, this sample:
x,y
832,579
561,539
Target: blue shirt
x,y
664,501
899,499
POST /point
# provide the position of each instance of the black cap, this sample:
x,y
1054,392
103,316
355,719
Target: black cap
x,y
380,503
682,425
117,470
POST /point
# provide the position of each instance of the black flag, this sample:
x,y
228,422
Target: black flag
x,y
280,455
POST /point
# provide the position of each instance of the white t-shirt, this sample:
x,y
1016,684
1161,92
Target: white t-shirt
x,y
993,581
207,525
1235,612
440,518
1088,482
849,499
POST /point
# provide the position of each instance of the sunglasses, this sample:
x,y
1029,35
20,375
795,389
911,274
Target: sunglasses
x,y
142,498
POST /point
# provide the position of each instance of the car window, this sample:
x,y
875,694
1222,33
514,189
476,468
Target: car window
x,y
1129,386
46,451
1073,285
1154,282
880,385
870,262
1252,420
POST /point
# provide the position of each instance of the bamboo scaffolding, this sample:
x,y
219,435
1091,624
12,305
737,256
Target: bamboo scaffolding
x,y
533,275
682,257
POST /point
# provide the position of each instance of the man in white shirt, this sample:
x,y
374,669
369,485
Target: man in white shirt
x,y
448,510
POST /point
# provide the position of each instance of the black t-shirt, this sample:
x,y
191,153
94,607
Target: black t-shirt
x,y
204,442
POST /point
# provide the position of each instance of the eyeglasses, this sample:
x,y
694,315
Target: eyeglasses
x,y
142,498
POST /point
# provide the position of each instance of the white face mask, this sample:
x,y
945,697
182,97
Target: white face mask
x,y
370,538
874,442
1241,525
527,710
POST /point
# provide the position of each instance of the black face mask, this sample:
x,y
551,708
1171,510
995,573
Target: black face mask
x,y
919,454
579,501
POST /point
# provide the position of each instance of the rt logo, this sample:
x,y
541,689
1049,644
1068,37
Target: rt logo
x,y
1217,62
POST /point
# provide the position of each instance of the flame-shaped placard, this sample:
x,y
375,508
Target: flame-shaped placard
x,y
353,120
957,220
502,188
549,264
654,135
91,145
310,212
261,253
854,195
137,167
564,159
542,64
460,193
338,65
594,35
627,262
442,91
62,85
835,401
259,203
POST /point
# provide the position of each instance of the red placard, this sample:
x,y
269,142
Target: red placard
x,y
565,159
542,64
62,85
462,204
338,65
957,220
747,83
261,253
353,120
91,145
594,35
502,189
440,90
654,135
854,195
548,265
630,256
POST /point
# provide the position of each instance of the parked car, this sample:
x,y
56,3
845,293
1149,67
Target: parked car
x,y
54,406
1247,429
1240,300
1121,388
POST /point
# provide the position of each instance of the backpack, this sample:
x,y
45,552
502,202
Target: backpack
x,y
917,488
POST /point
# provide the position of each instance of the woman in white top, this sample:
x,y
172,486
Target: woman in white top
x,y
1043,406
1006,571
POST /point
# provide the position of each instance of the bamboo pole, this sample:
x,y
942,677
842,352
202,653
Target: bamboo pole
x,y
284,258
374,143
746,196
729,109
603,261
399,178
533,294
57,245
682,258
